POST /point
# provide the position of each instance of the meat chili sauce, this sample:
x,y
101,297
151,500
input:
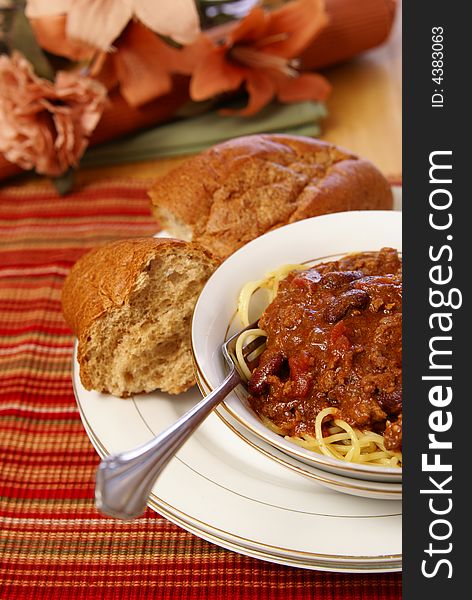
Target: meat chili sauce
x,y
335,339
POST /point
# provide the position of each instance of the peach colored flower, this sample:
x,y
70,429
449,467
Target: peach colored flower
x,y
43,125
99,22
260,53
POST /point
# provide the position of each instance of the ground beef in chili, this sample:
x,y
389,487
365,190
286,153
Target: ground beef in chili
x,y
335,339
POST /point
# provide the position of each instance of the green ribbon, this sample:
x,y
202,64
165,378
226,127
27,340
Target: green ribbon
x,y
191,135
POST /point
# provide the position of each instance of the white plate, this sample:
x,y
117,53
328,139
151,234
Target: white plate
x,y
214,319
225,491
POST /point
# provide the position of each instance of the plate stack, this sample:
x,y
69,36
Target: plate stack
x,y
234,482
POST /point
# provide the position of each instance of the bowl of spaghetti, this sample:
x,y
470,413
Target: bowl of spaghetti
x,y
326,387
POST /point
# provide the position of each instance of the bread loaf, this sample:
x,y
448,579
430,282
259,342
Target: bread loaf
x,y
130,304
235,191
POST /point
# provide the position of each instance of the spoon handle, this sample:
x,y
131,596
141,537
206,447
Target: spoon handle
x,y
124,481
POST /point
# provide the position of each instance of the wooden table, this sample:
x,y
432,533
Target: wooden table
x,y
365,108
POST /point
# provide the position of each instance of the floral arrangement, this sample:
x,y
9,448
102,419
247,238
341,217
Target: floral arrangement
x,y
58,73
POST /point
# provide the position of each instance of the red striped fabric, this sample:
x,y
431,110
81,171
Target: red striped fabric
x,y
53,543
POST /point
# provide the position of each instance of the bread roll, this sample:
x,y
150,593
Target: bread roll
x,y
130,304
235,191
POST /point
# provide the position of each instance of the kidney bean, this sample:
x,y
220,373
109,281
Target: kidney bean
x,y
339,306
337,279
270,364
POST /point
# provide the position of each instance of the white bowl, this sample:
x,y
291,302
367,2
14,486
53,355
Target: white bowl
x,y
378,490
314,240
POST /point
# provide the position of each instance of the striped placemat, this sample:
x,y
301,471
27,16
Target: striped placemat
x,y
53,542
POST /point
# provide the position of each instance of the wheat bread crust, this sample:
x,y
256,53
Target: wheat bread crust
x,y
104,280
242,188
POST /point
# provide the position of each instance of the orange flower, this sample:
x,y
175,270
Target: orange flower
x,y
43,125
142,65
140,62
259,52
